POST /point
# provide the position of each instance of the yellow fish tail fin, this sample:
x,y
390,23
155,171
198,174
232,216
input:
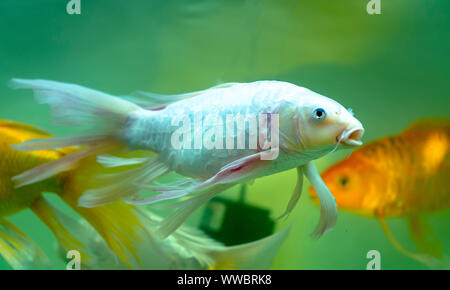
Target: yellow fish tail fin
x,y
256,255
76,234
122,226
19,250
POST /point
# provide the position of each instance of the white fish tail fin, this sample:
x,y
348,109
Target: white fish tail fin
x,y
256,255
19,250
77,234
74,105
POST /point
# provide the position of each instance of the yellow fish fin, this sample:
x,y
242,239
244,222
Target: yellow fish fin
x,y
76,234
19,250
420,232
122,227
425,259
256,255
30,130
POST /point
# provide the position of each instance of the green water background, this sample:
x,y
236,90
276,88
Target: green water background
x,y
391,69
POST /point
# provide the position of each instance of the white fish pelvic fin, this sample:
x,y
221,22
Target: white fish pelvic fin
x,y
328,206
295,195
186,207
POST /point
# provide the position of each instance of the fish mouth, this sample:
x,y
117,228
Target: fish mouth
x,y
352,137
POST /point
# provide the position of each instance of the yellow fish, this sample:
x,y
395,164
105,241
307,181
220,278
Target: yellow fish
x,y
112,236
406,175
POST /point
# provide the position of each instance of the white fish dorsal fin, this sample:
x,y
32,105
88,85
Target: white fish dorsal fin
x,y
148,99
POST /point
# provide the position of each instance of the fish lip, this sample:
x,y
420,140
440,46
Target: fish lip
x,y
352,137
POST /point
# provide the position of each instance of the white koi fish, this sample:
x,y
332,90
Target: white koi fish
x,y
309,126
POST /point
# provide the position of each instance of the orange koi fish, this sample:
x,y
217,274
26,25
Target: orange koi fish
x,y
407,175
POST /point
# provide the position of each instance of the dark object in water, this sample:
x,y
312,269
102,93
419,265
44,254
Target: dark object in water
x,y
236,222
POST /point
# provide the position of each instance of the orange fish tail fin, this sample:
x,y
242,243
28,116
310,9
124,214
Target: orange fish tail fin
x,y
423,237
19,250
426,259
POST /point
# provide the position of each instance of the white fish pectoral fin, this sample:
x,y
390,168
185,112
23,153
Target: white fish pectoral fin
x,y
237,171
186,207
231,173
296,194
328,207
124,184
150,100
228,176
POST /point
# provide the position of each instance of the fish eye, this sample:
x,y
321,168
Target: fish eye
x,y
319,114
343,180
